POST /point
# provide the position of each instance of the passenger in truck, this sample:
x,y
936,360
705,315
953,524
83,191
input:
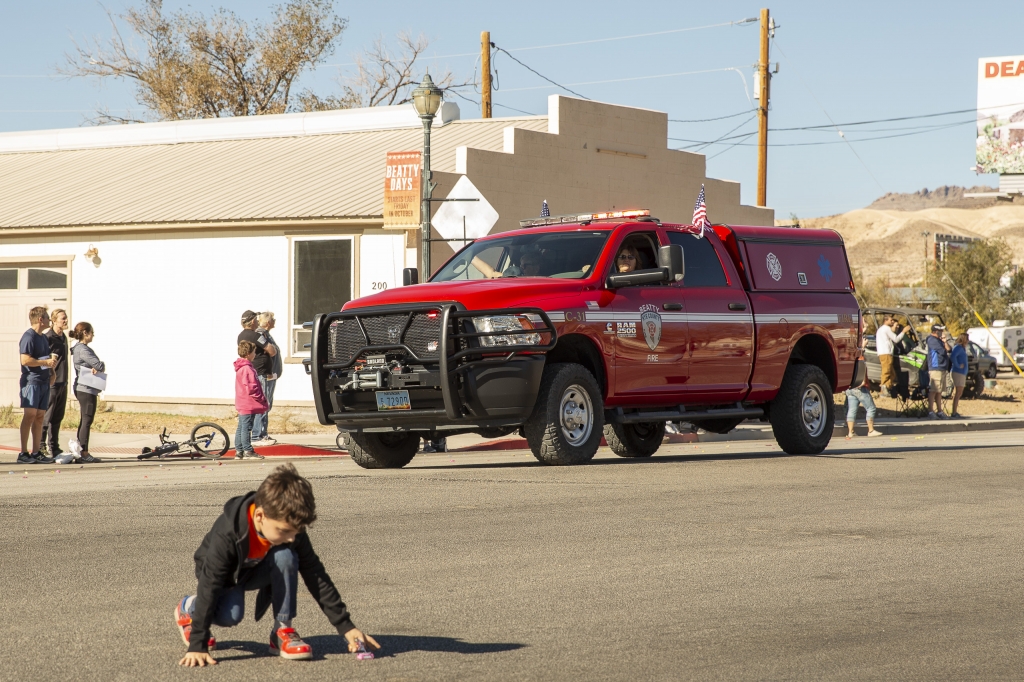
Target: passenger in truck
x,y
627,259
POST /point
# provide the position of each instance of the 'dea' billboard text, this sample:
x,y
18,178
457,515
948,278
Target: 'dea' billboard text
x,y
1001,115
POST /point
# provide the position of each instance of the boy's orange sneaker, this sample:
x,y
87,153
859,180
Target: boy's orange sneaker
x,y
184,622
286,643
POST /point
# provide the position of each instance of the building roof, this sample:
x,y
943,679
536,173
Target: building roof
x,y
276,167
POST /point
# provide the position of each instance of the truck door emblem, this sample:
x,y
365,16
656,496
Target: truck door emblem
x,y
651,322
394,333
774,267
802,278
627,329
824,267
608,328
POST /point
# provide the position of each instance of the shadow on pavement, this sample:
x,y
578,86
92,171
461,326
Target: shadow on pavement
x,y
392,645
843,453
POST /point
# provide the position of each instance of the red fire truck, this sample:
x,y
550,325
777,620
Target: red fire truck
x,y
609,324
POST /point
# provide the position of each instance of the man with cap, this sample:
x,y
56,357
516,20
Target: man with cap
x,y
265,350
938,368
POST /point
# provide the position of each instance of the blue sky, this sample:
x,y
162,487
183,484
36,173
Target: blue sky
x,y
846,62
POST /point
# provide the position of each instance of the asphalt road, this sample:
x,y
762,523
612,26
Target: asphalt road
x,y
883,559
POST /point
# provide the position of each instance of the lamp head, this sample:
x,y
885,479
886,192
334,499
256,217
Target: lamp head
x,y
427,98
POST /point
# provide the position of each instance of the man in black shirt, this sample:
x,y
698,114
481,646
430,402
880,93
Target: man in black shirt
x,y
59,389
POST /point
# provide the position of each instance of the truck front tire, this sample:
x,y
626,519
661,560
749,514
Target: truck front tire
x,y
803,413
634,440
383,450
565,427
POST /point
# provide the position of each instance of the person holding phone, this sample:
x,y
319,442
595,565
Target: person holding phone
x,y
85,361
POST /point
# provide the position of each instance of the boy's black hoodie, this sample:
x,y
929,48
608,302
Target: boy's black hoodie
x,y
220,566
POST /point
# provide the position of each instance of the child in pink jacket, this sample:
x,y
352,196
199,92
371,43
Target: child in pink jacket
x,y
249,400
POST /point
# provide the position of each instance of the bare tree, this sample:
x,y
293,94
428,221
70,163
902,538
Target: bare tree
x,y
191,66
383,77
194,67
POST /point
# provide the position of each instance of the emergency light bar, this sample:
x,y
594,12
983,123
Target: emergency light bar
x,y
585,217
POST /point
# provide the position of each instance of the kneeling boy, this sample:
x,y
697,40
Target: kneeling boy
x,y
260,543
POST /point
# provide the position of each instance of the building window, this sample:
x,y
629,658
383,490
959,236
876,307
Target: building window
x,y
321,283
47,279
9,278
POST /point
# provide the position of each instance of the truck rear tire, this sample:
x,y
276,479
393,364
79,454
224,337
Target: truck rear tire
x,y
565,427
803,413
383,450
634,440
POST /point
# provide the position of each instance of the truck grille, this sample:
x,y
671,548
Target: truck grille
x,y
421,335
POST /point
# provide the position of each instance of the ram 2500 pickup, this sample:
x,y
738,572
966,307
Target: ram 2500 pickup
x,y
578,327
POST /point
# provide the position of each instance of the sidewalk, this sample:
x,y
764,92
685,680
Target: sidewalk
x,y
124,447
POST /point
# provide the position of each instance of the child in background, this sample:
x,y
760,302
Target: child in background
x,y
260,543
249,400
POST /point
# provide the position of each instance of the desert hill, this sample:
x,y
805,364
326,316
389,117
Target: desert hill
x,y
888,243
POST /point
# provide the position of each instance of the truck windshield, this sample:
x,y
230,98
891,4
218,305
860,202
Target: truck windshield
x,y
566,255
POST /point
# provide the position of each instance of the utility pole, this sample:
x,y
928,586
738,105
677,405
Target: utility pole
x,y
762,114
485,73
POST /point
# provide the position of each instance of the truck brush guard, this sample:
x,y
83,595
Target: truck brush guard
x,y
461,368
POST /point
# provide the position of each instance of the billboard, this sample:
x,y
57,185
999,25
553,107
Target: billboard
x,y
1000,140
402,189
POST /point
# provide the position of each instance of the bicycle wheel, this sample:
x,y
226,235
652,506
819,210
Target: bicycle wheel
x,y
210,440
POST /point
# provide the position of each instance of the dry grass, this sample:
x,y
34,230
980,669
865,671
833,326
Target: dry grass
x,y
109,421
1006,398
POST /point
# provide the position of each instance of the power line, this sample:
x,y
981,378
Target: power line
x,y
504,106
703,143
923,129
705,120
807,87
740,22
499,49
618,80
723,137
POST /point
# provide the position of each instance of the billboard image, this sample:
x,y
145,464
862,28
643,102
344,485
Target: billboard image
x,y
1001,115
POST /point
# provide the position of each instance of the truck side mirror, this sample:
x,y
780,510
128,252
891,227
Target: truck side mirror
x,y
671,257
410,276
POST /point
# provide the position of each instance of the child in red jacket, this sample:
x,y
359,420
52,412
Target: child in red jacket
x,y
249,400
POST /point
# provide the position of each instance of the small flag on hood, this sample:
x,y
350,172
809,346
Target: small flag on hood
x,y
700,214
544,211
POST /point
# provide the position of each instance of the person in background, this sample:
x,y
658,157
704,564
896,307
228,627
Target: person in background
x,y
856,396
36,378
261,424
59,389
938,367
85,360
885,341
265,351
249,400
958,371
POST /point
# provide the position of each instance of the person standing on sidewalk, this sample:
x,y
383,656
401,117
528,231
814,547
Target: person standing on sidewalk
x,y
885,342
265,350
249,400
36,378
938,368
85,361
856,396
958,371
59,389
261,424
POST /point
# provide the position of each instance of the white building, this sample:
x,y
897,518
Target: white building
x,y
161,234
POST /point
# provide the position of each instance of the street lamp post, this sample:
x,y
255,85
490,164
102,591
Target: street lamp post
x,y
427,99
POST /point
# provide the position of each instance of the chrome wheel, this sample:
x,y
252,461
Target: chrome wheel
x,y
813,410
576,414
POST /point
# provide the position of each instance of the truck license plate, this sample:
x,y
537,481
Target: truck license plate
x,y
392,400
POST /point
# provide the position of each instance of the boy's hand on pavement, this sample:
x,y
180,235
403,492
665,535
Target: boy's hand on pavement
x,y
197,658
352,637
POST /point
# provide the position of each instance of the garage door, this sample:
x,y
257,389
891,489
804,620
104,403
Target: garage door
x,y
22,287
